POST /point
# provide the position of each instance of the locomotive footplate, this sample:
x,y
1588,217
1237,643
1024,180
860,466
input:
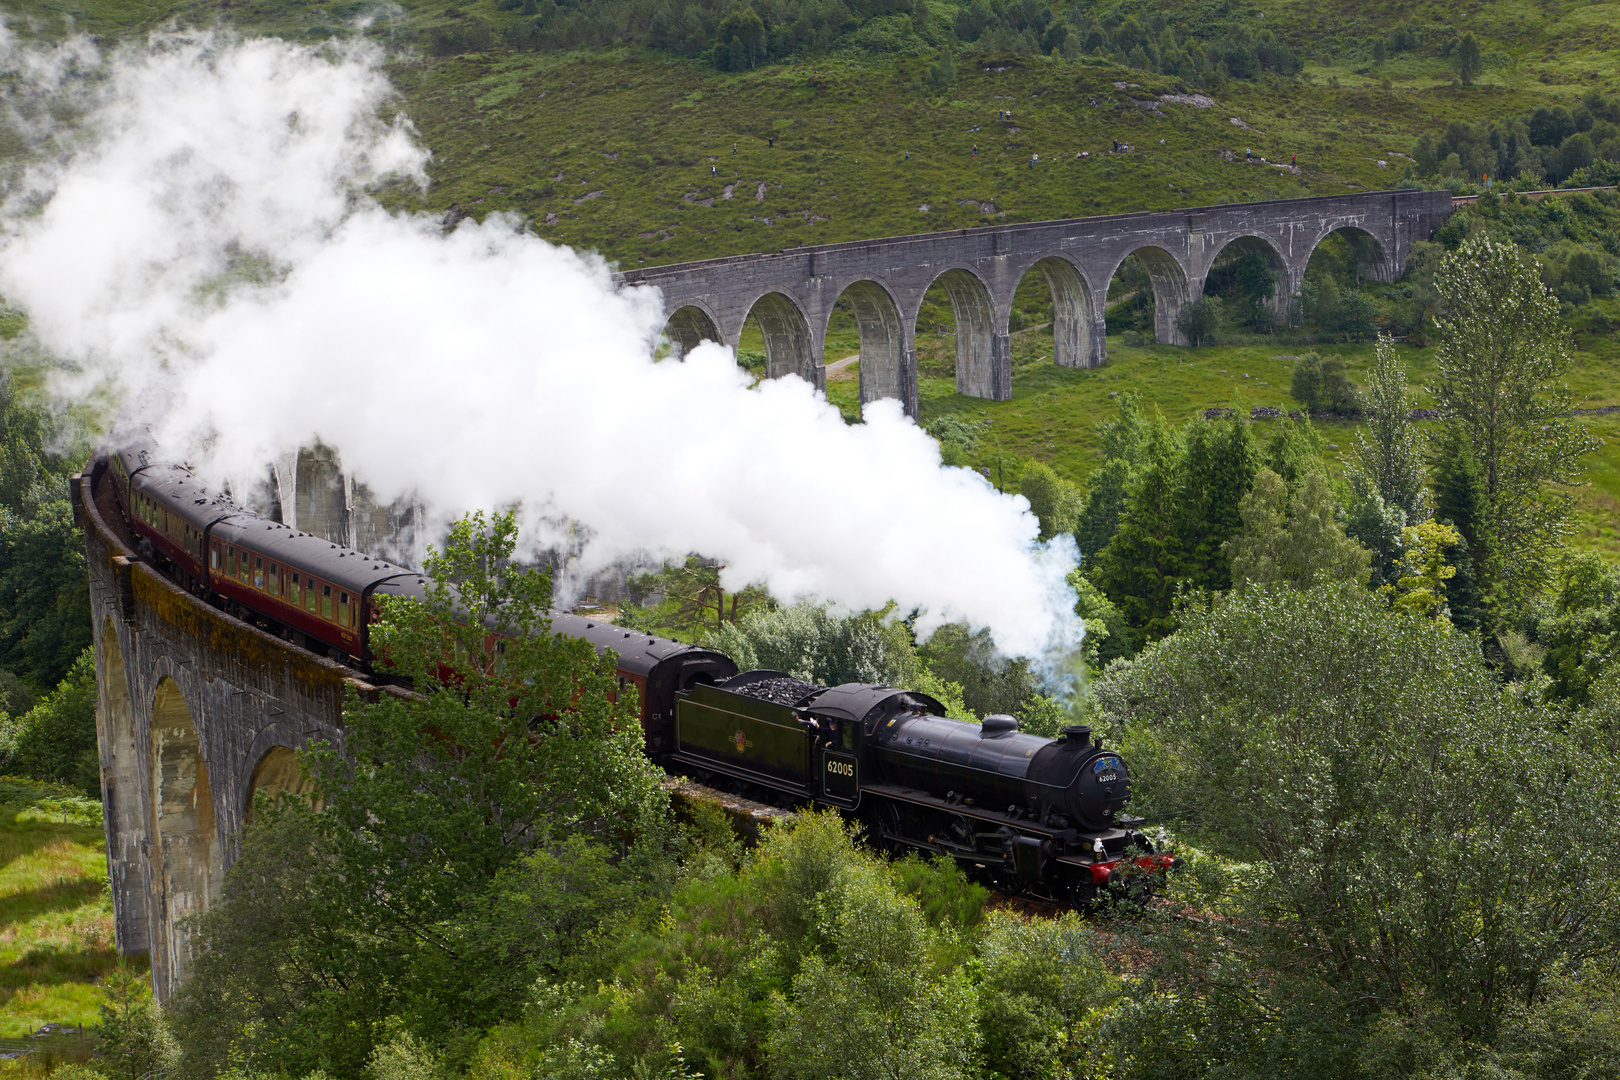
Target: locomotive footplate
x,y
1114,840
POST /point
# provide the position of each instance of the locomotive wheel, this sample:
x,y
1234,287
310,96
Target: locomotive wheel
x,y
883,828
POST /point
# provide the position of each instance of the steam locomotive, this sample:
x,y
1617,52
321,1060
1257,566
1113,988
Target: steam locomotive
x,y
1026,814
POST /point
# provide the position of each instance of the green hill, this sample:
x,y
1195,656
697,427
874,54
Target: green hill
x,y
610,124
612,147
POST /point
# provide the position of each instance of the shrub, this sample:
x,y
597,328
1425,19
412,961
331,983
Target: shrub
x,y
1201,322
56,739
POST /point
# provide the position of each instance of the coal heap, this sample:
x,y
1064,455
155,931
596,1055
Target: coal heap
x,y
783,691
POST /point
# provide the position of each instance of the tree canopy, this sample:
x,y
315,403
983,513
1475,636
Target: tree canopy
x,y
454,821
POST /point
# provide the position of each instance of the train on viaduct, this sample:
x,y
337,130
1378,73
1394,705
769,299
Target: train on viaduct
x,y
197,711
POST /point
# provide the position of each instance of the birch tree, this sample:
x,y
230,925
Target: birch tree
x,y
1501,359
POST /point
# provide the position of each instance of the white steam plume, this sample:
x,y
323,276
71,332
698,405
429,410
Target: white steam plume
x,y
207,241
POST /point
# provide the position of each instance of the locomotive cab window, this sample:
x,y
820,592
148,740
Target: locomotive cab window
x,y
846,735
326,601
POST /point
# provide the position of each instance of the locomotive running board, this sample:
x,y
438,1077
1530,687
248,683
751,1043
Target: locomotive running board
x,y
922,798
934,802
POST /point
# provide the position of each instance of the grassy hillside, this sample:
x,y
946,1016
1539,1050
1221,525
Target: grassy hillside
x,y
1053,412
56,922
613,149
650,157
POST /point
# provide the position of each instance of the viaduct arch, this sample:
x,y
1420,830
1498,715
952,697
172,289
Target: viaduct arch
x,y
794,290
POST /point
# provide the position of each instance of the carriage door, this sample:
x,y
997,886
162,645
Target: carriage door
x,y
841,769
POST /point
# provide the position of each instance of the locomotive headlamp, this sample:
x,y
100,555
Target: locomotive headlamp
x,y
1097,846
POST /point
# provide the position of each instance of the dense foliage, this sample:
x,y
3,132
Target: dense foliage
x,y
44,594
1549,145
1366,772
455,820
1203,46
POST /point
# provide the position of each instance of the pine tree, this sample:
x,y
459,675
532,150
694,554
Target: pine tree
x,y
1221,460
1139,567
1461,501
1463,596
1293,450
1124,442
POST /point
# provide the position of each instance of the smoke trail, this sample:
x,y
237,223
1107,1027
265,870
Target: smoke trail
x,y
205,232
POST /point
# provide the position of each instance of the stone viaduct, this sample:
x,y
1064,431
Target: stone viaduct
x,y
198,711
792,293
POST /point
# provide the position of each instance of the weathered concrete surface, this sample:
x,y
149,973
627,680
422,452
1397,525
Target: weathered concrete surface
x,y
748,819
196,711
793,292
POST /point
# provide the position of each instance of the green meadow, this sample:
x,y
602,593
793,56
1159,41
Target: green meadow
x,y
56,919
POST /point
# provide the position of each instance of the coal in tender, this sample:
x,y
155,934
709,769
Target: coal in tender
x,y
783,691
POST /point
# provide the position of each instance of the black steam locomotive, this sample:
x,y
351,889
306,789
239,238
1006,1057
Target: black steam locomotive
x,y
1027,814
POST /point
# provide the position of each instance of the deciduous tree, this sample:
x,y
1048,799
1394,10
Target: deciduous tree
x,y
1501,357
1053,500
1390,462
1296,541
1371,770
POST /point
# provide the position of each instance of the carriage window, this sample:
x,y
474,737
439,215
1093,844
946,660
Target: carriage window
x,y
326,601
343,609
258,572
500,659
230,561
213,558
247,571
273,581
293,592
310,599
